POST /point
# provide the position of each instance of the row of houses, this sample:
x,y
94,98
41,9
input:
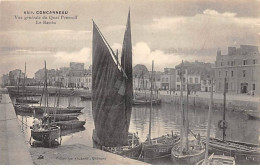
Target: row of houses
x,y
239,66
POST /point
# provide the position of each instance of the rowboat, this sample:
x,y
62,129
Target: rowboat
x,y
218,160
46,135
254,115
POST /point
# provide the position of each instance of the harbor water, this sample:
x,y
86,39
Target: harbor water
x,y
165,119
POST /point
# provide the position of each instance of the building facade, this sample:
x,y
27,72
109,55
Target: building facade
x,y
167,79
240,67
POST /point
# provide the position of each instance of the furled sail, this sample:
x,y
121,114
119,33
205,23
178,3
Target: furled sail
x,y
110,106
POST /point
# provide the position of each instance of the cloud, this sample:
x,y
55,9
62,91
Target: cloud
x,y
209,29
142,54
84,55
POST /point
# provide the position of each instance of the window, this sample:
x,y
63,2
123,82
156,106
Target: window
x,y
232,73
219,73
253,87
204,82
162,79
232,63
191,80
244,62
254,61
221,64
244,73
166,79
219,86
196,80
226,73
178,79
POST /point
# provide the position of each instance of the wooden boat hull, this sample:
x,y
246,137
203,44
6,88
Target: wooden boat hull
x,y
64,117
29,101
146,103
23,108
239,150
157,151
40,110
68,125
133,153
85,98
190,159
218,160
46,136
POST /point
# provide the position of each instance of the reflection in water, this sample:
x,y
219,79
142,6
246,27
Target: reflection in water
x,y
164,120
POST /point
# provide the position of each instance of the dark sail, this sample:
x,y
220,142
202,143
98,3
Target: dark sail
x,y
126,62
111,118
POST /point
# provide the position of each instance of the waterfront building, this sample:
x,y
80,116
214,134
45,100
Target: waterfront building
x,y
193,74
14,76
240,66
4,80
167,79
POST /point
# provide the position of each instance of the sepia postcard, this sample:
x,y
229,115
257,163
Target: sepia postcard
x,y
129,82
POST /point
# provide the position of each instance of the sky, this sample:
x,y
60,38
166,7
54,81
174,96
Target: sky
x,y
166,31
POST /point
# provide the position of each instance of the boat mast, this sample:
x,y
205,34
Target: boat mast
x,y
224,111
24,82
186,117
19,82
151,99
46,95
182,142
209,123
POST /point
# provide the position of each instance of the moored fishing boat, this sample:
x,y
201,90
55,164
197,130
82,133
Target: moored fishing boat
x,y
137,102
28,101
45,133
64,117
131,149
25,108
241,151
58,110
159,147
72,124
187,151
85,97
112,93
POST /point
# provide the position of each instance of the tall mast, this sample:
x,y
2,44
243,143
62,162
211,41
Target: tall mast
x,y
182,142
24,81
46,93
209,123
19,81
224,111
186,117
151,99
